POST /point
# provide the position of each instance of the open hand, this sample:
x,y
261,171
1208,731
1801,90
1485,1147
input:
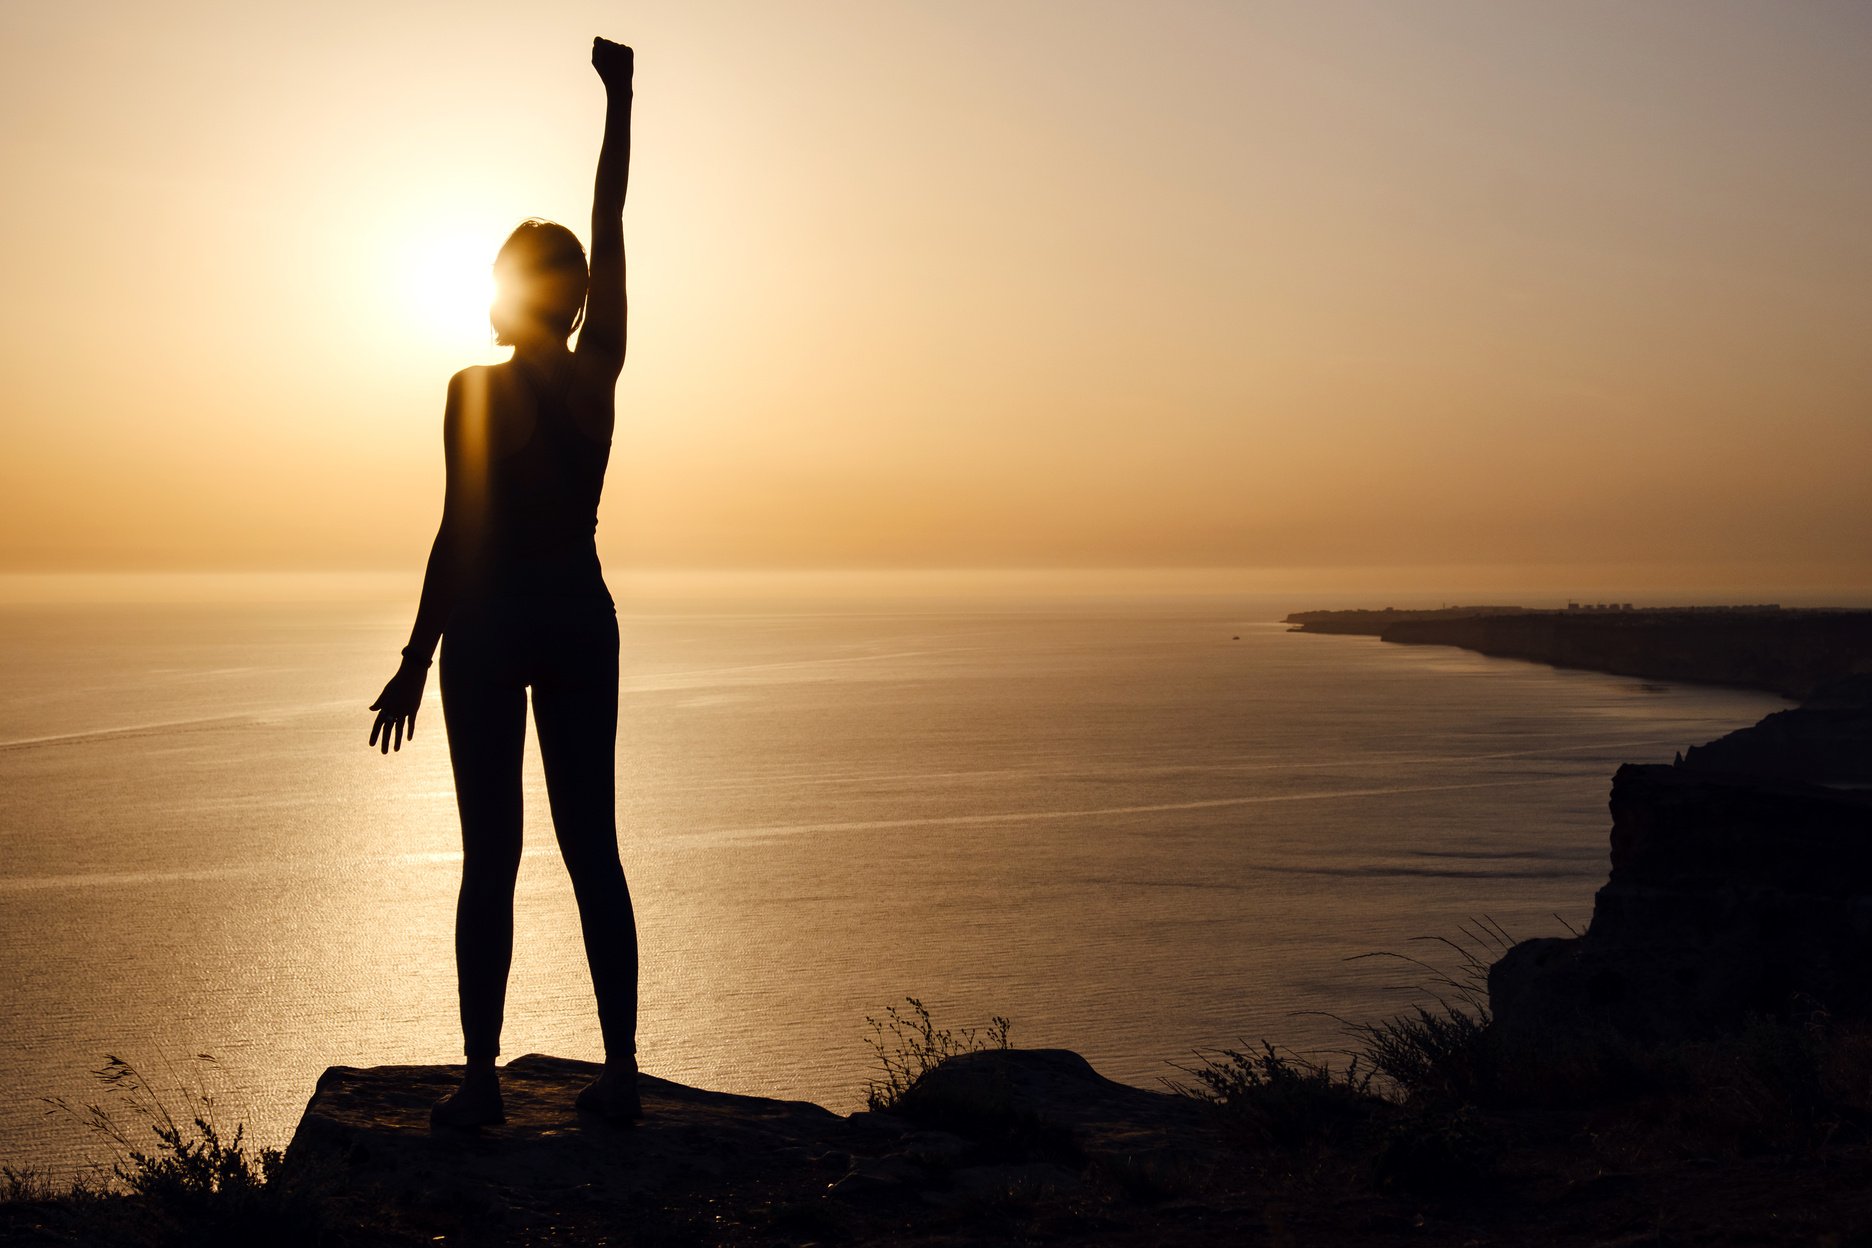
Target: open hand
x,y
614,62
397,705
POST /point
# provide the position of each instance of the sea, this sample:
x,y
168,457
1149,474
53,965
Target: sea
x,y
1143,826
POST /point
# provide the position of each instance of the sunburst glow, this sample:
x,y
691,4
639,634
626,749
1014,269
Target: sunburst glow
x,y
444,284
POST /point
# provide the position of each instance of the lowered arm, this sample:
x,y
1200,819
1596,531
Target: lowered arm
x,y
463,447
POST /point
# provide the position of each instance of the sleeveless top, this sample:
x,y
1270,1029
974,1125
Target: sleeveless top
x,y
537,536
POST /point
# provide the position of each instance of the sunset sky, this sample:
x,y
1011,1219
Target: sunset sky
x,y
1278,286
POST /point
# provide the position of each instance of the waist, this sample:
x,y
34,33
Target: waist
x,y
506,628
518,575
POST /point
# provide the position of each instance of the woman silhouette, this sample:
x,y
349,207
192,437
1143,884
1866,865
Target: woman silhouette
x,y
513,584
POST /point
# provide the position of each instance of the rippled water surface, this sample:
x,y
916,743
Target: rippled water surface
x,y
1135,828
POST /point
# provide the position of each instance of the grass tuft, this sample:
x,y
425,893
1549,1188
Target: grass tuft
x,y
1279,1098
1443,1054
1441,1051
908,1045
178,1176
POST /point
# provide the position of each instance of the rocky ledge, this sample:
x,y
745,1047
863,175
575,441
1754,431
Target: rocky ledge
x,y
1034,1131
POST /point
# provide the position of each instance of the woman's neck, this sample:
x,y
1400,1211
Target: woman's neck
x,y
539,353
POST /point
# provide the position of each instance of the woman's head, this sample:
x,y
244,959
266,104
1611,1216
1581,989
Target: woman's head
x,y
539,283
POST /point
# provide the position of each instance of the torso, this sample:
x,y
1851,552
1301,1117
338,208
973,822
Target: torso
x,y
547,440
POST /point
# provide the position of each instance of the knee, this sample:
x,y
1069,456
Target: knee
x,y
490,874
595,866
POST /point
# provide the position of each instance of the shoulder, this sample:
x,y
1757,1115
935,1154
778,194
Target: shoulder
x,y
467,398
474,377
473,384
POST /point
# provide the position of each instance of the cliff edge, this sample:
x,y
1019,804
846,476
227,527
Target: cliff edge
x,y
1036,1130
1741,887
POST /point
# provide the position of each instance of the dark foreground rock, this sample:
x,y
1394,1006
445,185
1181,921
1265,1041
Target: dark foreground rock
x,y
1035,1140
1741,886
1034,1147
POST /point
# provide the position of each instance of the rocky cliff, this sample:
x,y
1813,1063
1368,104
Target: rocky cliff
x,y
1741,885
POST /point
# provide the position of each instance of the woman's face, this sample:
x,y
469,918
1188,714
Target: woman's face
x,y
531,301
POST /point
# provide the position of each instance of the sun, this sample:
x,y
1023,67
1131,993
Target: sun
x,y
445,282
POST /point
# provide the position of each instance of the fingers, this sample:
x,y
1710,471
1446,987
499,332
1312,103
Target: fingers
x,y
604,50
389,732
396,714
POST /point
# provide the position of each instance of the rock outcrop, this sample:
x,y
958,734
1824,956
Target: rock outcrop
x,y
1741,885
1036,1129
1827,740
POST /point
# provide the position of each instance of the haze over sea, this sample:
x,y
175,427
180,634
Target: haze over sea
x,y
1135,825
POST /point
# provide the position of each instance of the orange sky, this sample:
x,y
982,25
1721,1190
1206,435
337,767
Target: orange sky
x,y
1304,286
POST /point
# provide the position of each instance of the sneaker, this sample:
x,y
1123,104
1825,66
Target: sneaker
x,y
478,1106
612,1096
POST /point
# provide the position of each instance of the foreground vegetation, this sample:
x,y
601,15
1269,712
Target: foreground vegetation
x,y
1433,1118
1427,1123
177,1177
1436,1101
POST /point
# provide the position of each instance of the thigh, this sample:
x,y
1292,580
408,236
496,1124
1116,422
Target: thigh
x,y
575,709
484,708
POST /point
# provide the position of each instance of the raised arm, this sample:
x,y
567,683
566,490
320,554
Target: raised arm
x,y
606,312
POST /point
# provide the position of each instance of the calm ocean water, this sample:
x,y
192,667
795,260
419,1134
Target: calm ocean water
x,y
1135,827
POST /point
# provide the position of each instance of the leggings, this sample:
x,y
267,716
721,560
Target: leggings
x,y
567,650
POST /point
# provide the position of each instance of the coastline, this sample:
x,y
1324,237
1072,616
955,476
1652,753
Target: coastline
x,y
1787,651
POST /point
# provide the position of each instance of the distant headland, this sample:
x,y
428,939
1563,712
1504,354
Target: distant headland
x,y
1789,651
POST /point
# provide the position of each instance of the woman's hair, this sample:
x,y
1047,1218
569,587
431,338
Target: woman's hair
x,y
540,281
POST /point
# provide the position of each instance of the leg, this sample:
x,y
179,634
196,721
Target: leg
x,y
575,710
484,707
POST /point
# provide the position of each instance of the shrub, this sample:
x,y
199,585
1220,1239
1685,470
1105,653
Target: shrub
x,y
197,1184
1444,1051
1282,1099
1443,1054
908,1045
29,1186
